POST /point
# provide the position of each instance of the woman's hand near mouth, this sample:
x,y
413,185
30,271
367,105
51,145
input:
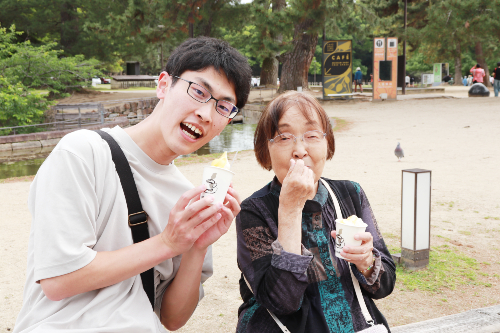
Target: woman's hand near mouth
x,y
297,187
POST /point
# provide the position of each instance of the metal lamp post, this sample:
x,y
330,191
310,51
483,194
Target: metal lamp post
x,y
415,218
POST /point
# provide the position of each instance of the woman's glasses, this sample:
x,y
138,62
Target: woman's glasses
x,y
202,95
288,139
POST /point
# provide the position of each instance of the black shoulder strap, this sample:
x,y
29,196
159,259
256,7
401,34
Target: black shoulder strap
x,y
137,217
354,197
340,187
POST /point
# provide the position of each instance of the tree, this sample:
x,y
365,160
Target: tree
x,y
484,29
43,66
309,17
24,66
312,17
273,31
262,36
19,107
445,33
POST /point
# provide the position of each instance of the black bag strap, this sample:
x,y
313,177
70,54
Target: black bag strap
x,y
137,217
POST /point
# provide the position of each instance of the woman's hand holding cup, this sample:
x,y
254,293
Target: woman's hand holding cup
x,y
361,256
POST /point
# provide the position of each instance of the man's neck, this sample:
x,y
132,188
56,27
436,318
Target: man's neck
x,y
147,135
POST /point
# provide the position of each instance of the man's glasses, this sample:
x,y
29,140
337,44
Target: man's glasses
x,y
202,95
288,139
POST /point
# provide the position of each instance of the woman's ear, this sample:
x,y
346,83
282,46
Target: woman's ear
x,y
164,82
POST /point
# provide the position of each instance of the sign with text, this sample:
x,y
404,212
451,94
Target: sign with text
x,y
385,68
337,69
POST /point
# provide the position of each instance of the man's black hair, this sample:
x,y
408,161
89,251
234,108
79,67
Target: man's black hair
x,y
498,64
199,53
478,66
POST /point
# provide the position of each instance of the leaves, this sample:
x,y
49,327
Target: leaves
x,y
19,107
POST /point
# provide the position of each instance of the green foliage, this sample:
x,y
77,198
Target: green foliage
x,y
18,107
315,67
43,66
264,32
418,64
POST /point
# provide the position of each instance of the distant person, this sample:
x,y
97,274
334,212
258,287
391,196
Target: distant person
x,y
371,79
407,80
469,80
412,81
496,81
478,74
464,81
447,78
358,80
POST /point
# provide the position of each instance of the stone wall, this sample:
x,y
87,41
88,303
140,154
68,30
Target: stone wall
x,y
252,113
48,139
139,109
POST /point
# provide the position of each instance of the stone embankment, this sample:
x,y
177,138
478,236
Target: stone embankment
x,y
48,139
125,114
133,109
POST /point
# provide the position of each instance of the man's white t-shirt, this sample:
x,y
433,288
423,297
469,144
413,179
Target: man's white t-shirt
x,y
78,208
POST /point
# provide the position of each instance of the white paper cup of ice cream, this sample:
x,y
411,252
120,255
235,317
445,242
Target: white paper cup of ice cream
x,y
345,234
217,181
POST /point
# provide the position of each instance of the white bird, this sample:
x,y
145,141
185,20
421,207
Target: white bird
x,y
399,152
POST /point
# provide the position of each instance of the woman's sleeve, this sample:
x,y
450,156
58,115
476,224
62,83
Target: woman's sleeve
x,y
381,283
277,278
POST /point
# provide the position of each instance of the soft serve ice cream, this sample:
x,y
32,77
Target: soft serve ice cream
x,y
222,162
346,229
352,220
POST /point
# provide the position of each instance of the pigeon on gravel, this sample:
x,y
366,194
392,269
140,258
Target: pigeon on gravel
x,y
399,152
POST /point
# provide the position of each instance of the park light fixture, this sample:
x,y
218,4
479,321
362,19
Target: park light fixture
x,y
415,218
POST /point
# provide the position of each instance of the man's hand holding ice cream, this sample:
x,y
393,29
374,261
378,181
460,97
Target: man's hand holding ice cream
x,y
359,255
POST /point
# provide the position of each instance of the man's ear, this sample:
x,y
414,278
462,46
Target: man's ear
x,y
164,82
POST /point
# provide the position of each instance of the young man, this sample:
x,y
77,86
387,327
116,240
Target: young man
x,y
83,266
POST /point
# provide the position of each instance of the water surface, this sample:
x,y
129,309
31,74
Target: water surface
x,y
233,138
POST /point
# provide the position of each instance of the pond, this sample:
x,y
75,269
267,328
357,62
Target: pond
x,y
234,137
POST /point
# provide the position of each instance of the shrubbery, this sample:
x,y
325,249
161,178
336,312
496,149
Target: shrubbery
x,y
24,67
19,107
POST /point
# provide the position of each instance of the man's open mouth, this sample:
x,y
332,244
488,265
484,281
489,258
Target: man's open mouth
x,y
191,131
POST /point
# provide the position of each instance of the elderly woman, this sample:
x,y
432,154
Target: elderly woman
x,y
286,233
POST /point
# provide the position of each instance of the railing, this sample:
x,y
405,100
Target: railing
x,y
76,120
73,119
52,126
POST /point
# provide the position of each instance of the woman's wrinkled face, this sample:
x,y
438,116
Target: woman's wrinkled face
x,y
313,155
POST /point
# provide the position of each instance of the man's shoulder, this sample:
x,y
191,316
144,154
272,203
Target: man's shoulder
x,y
79,140
87,146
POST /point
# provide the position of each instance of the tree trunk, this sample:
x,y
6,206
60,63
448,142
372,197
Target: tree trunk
x,y
69,26
458,66
296,63
269,72
270,65
482,62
